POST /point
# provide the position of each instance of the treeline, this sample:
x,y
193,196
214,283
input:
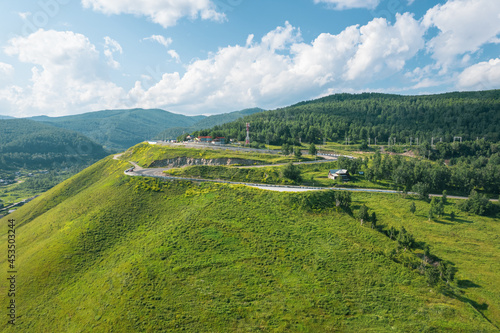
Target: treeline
x,y
44,182
374,116
456,151
430,177
31,145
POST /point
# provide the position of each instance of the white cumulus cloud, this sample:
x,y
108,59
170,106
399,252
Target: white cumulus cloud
x,y
160,39
164,12
464,26
111,46
6,69
348,4
482,76
280,68
65,76
386,48
174,55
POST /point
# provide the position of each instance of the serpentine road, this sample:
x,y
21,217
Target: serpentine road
x,y
139,171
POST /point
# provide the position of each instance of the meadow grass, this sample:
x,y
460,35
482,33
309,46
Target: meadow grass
x,y
106,252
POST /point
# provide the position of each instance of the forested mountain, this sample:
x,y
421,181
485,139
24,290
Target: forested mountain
x,y
6,117
207,122
375,116
121,129
30,144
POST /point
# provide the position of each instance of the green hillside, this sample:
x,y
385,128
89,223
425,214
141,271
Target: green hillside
x,y
105,252
120,129
33,145
208,122
360,117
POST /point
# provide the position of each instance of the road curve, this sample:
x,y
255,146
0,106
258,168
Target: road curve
x,y
158,173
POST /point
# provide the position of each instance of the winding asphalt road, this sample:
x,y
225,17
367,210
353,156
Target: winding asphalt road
x,y
139,171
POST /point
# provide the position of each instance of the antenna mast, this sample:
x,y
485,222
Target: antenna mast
x,y
247,140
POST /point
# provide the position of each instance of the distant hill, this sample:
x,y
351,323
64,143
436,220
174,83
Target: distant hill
x,y
207,122
30,144
371,115
6,117
121,129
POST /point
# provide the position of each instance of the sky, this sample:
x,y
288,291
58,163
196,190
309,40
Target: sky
x,y
64,57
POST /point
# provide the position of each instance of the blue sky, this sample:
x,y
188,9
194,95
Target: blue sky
x,y
62,57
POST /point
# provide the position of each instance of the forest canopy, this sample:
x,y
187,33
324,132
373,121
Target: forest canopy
x,y
370,116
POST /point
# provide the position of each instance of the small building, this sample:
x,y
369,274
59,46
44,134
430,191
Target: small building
x,y
342,173
219,141
205,139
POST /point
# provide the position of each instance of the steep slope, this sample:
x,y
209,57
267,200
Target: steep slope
x,y
208,122
469,115
120,129
35,145
104,252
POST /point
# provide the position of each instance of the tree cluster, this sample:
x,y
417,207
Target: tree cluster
x,y
370,115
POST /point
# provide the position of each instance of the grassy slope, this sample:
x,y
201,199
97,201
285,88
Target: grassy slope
x,y
144,154
471,242
104,252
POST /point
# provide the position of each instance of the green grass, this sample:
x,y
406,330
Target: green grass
x,y
106,252
144,154
471,242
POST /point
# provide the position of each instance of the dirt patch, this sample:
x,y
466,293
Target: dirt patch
x,y
409,153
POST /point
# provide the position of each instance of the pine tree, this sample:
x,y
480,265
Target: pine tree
x,y
445,197
374,220
312,149
413,208
363,214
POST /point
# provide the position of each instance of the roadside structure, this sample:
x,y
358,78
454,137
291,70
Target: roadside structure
x,y
342,173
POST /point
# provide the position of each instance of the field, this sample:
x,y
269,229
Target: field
x,y
106,252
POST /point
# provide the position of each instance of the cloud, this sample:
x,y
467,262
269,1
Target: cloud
x,y
111,46
348,4
6,69
280,68
6,74
160,39
464,26
24,15
164,12
481,76
385,48
174,55
66,76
